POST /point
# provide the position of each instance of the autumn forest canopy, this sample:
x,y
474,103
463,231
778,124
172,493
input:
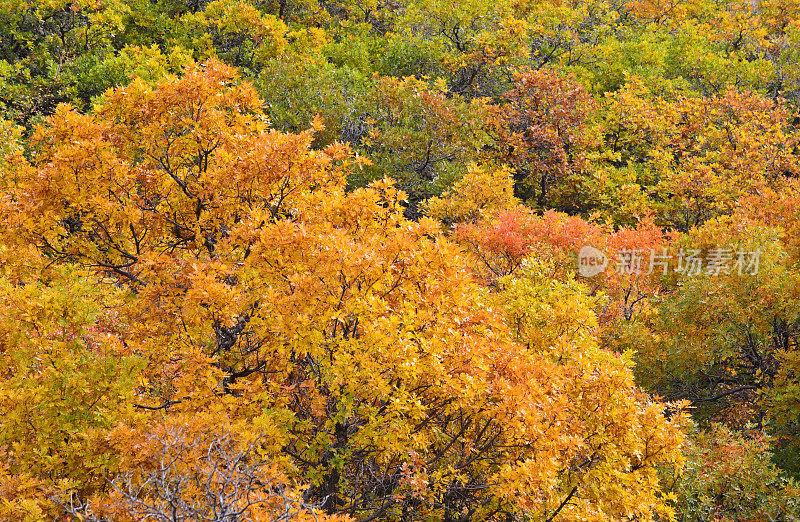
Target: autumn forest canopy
x,y
361,260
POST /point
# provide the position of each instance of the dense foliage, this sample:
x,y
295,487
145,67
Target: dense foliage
x,y
327,260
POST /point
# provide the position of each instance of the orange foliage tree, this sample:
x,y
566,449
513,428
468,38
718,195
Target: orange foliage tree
x,y
501,244
259,341
698,156
540,130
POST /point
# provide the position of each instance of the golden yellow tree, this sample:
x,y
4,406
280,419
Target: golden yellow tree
x,y
343,355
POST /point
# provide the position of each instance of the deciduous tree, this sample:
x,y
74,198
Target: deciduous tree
x,y
272,313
